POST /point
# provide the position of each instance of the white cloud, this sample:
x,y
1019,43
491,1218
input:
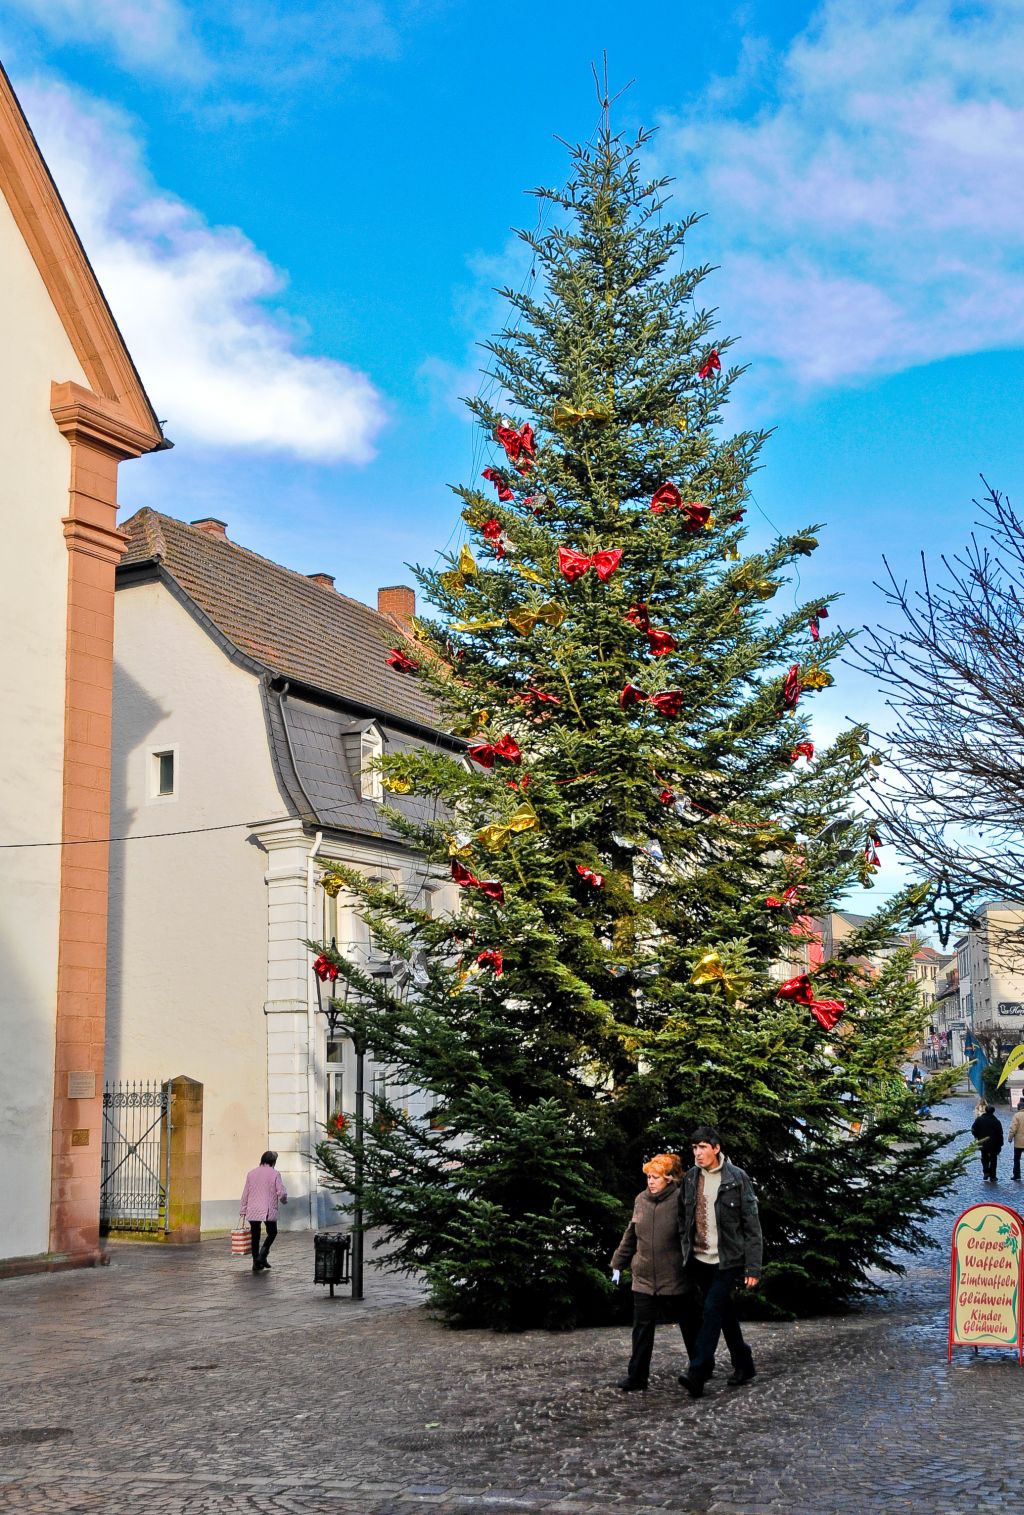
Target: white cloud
x,y
154,35
193,301
870,217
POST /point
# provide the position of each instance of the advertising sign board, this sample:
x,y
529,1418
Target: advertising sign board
x,y
985,1280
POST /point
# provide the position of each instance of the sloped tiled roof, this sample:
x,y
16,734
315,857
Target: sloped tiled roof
x,y
280,619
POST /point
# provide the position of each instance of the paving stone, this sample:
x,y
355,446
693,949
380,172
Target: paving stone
x,y
176,1382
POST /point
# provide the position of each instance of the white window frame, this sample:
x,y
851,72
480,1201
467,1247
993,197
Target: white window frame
x,y
153,795
370,779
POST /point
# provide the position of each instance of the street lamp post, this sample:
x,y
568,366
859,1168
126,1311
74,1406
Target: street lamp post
x,y
345,1017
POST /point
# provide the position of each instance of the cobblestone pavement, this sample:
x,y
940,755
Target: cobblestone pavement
x,y
175,1381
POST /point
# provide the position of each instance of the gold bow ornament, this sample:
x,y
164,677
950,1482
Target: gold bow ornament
x,y
495,837
524,620
711,970
454,581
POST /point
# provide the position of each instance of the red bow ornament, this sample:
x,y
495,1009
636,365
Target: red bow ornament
x,y
637,615
821,614
573,565
695,516
400,663
798,990
325,969
660,642
492,532
669,702
827,1012
790,899
497,478
532,696
466,880
492,958
590,877
871,857
802,750
484,753
712,364
665,497
520,446
792,688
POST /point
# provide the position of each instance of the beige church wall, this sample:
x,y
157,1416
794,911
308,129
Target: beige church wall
x,y
33,595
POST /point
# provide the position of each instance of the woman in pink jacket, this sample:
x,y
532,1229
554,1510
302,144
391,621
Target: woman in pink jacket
x,y
260,1198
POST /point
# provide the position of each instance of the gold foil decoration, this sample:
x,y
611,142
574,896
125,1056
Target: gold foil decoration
x,y
816,678
566,417
711,970
331,885
495,837
525,620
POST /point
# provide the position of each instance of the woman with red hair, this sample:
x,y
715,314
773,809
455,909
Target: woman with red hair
x,y
651,1249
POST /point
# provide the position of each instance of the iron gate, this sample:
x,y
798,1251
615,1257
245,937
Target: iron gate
x,y
135,1174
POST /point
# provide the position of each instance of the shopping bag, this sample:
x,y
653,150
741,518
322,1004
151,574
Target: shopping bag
x,y
241,1240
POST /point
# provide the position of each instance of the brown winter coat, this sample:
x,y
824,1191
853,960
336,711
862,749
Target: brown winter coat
x,y
650,1245
1017,1126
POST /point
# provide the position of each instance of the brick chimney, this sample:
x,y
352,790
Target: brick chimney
x,y
397,601
212,527
325,580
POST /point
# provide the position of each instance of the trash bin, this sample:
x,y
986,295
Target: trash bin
x,y
332,1252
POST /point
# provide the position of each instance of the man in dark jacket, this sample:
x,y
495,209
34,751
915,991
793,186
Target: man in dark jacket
x,y
650,1249
721,1244
988,1130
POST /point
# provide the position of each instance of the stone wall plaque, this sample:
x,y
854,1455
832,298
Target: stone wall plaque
x,y
82,1085
986,1280
80,1137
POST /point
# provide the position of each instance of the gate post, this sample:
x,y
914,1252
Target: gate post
x,y
185,1186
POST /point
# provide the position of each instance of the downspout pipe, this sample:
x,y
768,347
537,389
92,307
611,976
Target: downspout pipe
x,y
312,1031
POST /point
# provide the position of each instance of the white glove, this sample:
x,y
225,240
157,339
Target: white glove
x,y
615,1275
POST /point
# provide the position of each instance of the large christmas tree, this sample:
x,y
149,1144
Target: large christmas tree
x,y
641,829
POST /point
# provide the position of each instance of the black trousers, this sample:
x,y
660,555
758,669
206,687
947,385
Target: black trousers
x,y
653,1310
254,1229
989,1158
715,1286
1018,1153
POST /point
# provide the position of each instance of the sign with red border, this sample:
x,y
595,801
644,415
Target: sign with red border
x,y
986,1280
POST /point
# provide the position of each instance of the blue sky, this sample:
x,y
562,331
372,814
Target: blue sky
x,y
299,212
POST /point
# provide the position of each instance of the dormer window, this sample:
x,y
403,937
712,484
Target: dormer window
x,y
371,748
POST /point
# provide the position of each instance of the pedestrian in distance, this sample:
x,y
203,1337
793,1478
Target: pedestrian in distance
x,y
720,1235
988,1130
1016,1134
262,1194
650,1248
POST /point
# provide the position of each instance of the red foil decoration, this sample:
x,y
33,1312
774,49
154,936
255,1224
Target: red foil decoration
x,y
497,478
670,702
534,696
696,516
637,615
325,969
827,1012
802,749
520,447
667,796
660,642
400,663
712,364
484,753
792,688
492,958
631,696
665,497
590,877
467,880
573,565
798,990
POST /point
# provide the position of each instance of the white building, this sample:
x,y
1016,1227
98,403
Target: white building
x,y
72,408
247,700
994,953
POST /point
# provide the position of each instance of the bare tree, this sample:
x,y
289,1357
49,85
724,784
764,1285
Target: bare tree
x,y
951,794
